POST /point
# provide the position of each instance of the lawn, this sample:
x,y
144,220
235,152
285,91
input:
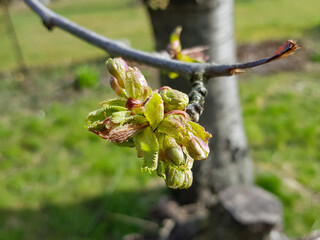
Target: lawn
x,y
58,181
57,178
281,116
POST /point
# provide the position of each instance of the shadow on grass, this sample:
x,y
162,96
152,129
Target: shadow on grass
x,y
108,216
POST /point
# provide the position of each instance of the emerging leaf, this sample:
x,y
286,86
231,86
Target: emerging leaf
x,y
154,110
175,50
173,125
116,133
147,145
120,117
156,123
101,114
114,102
198,131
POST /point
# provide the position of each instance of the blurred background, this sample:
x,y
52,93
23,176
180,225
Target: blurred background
x,y
58,181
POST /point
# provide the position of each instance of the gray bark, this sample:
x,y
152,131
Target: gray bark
x,y
228,164
210,23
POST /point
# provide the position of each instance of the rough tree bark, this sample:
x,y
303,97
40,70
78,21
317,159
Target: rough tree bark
x,y
210,22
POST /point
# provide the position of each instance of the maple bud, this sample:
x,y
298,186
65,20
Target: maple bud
x,y
118,68
174,99
197,148
174,177
173,151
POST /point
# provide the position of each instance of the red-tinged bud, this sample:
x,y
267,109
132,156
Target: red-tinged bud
x,y
162,88
197,148
117,88
132,103
178,112
118,68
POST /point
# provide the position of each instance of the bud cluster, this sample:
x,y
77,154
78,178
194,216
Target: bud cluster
x,y
155,122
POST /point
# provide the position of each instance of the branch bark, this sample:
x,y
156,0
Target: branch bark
x,y
158,60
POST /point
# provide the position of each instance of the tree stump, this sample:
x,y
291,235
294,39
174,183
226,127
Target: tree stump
x,y
244,213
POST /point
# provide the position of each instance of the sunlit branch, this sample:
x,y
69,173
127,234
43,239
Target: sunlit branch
x,y
157,60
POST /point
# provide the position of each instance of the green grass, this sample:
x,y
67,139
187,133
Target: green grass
x,y
284,19
57,175
254,21
115,19
282,122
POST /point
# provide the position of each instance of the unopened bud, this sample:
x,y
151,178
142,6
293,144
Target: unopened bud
x,y
173,151
197,148
174,99
187,179
117,88
136,85
174,125
118,68
174,177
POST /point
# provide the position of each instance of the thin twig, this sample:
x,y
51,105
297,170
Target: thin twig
x,y
158,60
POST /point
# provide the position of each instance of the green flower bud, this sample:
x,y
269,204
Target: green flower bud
x,y
136,85
174,125
173,151
118,68
197,148
117,88
173,99
187,179
174,177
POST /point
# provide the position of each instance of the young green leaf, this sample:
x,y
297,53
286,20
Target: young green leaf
x,y
154,110
147,145
114,102
120,117
198,130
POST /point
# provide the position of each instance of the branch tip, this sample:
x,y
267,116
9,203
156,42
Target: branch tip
x,y
287,49
186,69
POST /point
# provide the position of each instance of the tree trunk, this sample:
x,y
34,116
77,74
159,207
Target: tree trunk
x,y
210,22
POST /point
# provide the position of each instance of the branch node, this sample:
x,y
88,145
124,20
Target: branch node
x,y
236,71
197,97
48,24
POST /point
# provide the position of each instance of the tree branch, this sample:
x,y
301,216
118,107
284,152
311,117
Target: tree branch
x,y
157,60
